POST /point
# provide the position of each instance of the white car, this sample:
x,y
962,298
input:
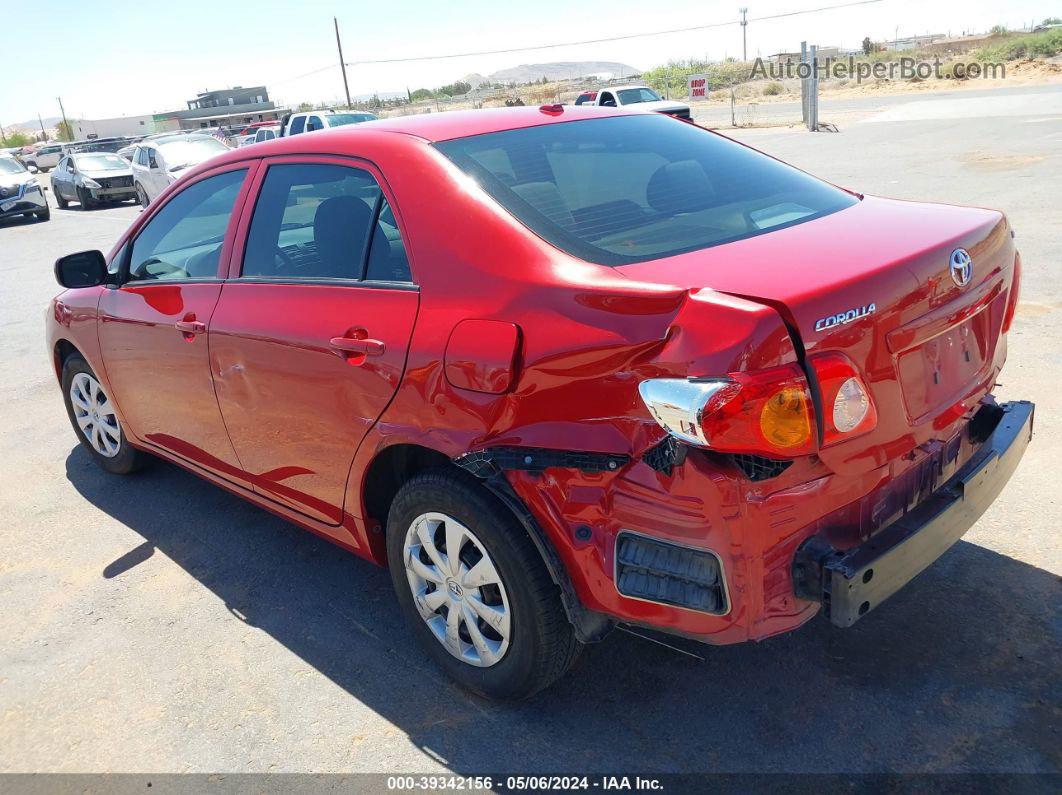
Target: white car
x,y
266,133
45,157
640,96
161,161
311,121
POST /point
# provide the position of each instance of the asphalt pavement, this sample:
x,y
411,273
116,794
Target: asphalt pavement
x,y
158,624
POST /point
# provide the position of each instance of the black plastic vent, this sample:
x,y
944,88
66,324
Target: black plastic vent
x,y
756,467
670,574
665,456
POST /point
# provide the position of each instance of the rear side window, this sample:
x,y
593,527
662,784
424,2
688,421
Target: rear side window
x,y
183,240
297,125
634,188
323,221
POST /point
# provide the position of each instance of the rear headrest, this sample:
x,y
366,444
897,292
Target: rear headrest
x,y
545,198
339,228
680,187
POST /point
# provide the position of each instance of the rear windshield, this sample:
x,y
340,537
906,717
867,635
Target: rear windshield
x,y
339,119
633,188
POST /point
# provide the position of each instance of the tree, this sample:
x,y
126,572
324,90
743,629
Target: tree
x,y
63,131
15,139
303,107
868,45
420,94
998,30
1052,21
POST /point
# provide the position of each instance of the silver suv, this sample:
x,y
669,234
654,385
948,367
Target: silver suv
x,y
20,191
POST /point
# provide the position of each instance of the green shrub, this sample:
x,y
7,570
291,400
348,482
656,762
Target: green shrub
x,y
773,89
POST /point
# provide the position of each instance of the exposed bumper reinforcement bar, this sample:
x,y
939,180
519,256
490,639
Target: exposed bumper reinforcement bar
x,y
852,582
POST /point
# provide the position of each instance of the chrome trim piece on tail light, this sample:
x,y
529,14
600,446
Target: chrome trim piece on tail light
x,y
678,403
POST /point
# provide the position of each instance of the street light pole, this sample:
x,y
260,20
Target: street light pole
x,y
744,34
66,124
342,64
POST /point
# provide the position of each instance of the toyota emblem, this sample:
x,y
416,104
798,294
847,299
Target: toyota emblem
x,y
961,267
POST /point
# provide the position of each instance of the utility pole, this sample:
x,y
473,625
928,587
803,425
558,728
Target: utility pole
x,y
744,34
41,123
342,64
66,124
3,136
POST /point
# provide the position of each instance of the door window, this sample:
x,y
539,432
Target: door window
x,y
151,159
314,123
607,100
183,240
297,125
313,221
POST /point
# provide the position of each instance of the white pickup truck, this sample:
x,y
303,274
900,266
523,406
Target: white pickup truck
x,y
625,96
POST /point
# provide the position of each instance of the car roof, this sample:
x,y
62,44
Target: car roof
x,y
448,125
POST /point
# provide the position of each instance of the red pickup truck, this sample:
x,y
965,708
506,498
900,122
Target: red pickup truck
x,y
560,369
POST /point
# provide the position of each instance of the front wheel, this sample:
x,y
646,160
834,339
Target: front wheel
x,y
94,419
474,588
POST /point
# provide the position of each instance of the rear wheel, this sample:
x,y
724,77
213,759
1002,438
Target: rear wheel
x,y
60,202
474,588
94,420
141,195
44,214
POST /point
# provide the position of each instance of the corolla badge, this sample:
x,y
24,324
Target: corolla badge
x,y
961,267
844,317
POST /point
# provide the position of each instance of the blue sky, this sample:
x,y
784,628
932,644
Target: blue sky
x,y
120,57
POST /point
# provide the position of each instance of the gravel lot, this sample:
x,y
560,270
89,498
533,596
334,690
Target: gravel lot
x,y
156,623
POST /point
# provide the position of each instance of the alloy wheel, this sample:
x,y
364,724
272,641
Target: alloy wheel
x,y
95,415
457,589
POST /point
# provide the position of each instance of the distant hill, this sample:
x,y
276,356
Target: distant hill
x,y
33,126
555,70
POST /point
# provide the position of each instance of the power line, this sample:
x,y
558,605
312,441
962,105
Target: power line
x,y
611,38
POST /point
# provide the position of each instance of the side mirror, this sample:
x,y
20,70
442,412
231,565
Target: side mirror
x,y
32,169
83,269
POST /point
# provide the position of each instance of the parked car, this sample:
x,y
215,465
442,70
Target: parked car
x,y
161,161
296,123
20,190
643,97
244,140
713,397
266,133
92,178
45,158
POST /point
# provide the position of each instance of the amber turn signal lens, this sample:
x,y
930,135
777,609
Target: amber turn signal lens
x,y
785,419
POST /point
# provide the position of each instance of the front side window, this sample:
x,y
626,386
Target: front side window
x,y
633,188
607,100
314,123
323,221
183,240
632,96
297,125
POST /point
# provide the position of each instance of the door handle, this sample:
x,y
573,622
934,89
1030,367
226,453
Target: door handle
x,y
190,326
362,345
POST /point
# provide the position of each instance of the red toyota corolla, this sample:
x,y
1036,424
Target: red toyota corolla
x,y
560,369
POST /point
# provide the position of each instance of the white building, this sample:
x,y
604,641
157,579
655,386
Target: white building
x,y
106,128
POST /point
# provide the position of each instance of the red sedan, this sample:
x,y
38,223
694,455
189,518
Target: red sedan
x,y
560,369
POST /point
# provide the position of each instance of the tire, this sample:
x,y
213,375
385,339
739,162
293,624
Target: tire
x,y
60,202
84,199
113,453
533,645
45,214
141,196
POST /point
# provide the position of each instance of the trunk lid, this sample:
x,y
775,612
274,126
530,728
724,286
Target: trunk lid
x,y
874,281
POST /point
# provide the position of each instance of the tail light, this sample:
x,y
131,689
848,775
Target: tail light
x,y
846,405
1012,299
764,412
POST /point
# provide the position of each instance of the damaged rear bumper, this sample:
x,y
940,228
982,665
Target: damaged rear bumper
x,y
850,583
